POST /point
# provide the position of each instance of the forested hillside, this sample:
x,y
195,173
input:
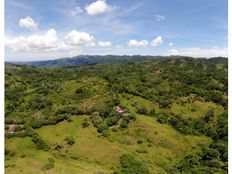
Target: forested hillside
x,y
160,116
89,60
94,59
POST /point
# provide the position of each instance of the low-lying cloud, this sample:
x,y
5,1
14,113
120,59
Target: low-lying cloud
x,y
199,52
104,44
47,42
135,43
50,41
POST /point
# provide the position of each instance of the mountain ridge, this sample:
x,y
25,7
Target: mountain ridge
x,y
97,59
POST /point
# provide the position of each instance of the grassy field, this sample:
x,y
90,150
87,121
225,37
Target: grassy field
x,y
188,107
196,109
160,146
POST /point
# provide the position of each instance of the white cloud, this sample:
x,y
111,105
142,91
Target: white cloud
x,y
75,38
28,23
118,46
47,42
199,52
135,43
51,42
170,44
98,7
104,44
157,41
159,17
76,11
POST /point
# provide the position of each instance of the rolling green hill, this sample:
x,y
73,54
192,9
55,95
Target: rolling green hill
x,y
160,116
96,59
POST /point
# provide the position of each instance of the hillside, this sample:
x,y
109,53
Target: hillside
x,y
155,116
95,59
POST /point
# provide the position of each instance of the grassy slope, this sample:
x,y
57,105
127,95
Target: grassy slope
x,y
201,107
93,153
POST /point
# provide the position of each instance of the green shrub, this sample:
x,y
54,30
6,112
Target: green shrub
x,y
105,133
23,156
70,140
211,154
40,143
85,123
123,124
163,118
132,117
214,163
9,153
6,152
49,165
142,110
111,121
101,127
129,165
96,119
209,115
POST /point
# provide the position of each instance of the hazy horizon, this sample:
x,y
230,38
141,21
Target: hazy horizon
x,y
78,56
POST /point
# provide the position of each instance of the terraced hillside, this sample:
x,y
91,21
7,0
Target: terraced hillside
x,y
161,116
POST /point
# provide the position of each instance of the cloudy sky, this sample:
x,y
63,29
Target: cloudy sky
x,y
48,29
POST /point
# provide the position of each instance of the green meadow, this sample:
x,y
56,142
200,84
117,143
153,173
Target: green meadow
x,y
162,146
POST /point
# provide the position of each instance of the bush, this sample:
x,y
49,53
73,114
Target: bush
x,y
193,110
49,165
101,127
190,161
142,110
79,90
163,118
132,117
96,119
69,119
85,123
165,103
124,124
9,153
115,129
111,121
211,154
215,163
209,115
83,93
70,140
9,121
105,133
23,156
129,165
40,143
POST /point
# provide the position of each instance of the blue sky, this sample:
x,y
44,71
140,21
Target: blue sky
x,y
48,29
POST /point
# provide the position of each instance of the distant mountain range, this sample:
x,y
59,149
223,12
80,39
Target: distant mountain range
x,y
93,59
